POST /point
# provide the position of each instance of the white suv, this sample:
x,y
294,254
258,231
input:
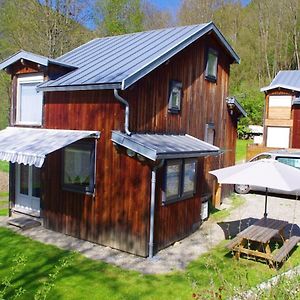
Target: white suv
x,y
289,157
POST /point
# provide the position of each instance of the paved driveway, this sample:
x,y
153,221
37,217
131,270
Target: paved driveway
x,y
280,208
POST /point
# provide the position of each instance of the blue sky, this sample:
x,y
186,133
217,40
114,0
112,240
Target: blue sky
x,y
175,3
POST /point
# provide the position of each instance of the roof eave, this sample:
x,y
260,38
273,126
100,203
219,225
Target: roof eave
x,y
35,58
280,86
87,87
153,155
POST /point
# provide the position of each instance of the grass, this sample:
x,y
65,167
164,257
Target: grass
x,y
4,166
87,279
4,212
241,149
220,215
3,203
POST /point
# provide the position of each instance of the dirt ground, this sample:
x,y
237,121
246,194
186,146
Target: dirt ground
x,y
3,182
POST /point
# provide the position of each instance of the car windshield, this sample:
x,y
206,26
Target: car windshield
x,y
262,156
291,161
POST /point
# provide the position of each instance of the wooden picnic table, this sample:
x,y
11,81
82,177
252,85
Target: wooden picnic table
x,y
255,241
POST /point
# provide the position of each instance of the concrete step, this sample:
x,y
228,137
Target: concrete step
x,y
24,222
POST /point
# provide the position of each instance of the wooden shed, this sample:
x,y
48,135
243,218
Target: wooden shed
x,y
282,111
112,142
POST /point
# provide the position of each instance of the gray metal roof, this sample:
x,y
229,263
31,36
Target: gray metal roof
x,y
39,59
163,146
237,105
296,101
119,61
289,80
30,146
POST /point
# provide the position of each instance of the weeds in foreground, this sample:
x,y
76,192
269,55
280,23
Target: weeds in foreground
x,y
9,291
285,288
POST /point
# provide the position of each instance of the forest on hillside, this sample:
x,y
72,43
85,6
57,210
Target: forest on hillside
x,y
265,34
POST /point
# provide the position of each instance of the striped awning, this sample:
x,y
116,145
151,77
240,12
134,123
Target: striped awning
x,y
30,146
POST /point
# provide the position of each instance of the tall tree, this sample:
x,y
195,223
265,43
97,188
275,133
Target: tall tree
x,y
114,17
49,27
118,16
155,18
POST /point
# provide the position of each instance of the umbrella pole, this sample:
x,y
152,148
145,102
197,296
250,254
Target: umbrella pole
x,y
266,203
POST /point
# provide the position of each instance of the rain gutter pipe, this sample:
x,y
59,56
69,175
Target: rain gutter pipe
x,y
152,206
123,101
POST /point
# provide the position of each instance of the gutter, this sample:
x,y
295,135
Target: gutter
x,y
152,206
123,101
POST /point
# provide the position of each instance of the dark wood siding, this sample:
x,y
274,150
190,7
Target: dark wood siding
x,y
118,214
296,127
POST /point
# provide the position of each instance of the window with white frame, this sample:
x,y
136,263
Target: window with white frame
x,y
29,106
79,167
211,65
180,180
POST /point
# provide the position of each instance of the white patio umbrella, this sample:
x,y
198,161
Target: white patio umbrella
x,y
267,173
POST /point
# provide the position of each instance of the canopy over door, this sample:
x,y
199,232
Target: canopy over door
x,y
30,146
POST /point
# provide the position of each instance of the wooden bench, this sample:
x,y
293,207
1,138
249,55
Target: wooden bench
x,y
234,242
286,248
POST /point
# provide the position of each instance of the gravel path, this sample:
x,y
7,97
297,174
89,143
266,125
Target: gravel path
x,y
3,182
176,257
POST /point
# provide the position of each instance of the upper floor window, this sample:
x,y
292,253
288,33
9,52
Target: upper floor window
x,y
209,133
211,65
175,95
29,108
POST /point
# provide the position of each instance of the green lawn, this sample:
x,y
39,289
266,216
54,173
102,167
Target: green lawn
x,y
241,149
87,279
3,203
4,166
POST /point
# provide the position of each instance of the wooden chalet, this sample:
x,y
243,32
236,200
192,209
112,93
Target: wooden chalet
x,y
282,111
112,141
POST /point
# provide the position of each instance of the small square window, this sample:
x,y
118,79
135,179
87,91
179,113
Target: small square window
x,y
180,180
175,95
78,167
211,65
209,133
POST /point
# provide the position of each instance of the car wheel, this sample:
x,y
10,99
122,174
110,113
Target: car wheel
x,y
241,188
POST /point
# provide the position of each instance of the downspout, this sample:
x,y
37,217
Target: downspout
x,y
152,206
123,101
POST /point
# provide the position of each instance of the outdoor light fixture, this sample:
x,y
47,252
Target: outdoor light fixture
x,y
141,157
130,153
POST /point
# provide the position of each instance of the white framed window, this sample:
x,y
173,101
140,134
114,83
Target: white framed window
x,y
280,101
278,137
211,65
29,106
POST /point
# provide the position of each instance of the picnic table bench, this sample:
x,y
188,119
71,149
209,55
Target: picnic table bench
x,y
255,241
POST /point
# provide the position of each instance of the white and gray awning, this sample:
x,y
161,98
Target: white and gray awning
x,y
30,146
164,146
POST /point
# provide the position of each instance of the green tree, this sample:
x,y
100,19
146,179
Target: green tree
x,y
115,17
50,27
